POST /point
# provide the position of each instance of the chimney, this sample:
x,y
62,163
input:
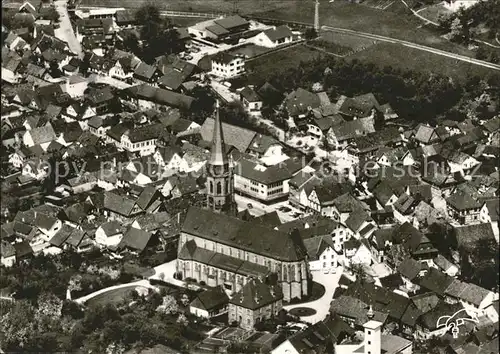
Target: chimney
x,y
370,313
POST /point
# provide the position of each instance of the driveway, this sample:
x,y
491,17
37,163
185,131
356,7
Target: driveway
x,y
322,305
65,31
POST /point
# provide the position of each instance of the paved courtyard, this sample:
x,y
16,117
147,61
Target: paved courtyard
x,y
321,305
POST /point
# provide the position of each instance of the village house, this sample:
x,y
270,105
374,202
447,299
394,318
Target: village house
x,y
251,100
274,37
226,66
109,234
210,303
464,209
321,253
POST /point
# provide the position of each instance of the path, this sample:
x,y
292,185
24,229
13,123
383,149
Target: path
x,y
109,81
65,31
143,283
415,46
321,305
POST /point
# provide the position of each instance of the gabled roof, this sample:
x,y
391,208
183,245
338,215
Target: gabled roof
x,y
267,175
135,239
160,96
463,201
112,228
238,233
256,294
281,32
409,268
425,133
250,95
231,22
238,137
212,298
316,246
436,281
43,134
118,204
468,235
300,100
61,236
144,70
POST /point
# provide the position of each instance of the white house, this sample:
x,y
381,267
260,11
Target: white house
x,y
274,37
322,256
225,65
142,140
251,101
109,234
170,158
472,297
48,225
42,136
8,254
75,86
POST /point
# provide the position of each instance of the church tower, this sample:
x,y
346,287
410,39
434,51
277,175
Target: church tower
x,y
219,184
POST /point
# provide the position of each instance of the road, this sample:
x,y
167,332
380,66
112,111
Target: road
x,y
322,305
141,283
413,45
65,31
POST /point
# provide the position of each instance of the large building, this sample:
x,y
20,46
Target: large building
x,y
265,183
219,249
226,66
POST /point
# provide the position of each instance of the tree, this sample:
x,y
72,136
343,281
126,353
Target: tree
x,y
310,33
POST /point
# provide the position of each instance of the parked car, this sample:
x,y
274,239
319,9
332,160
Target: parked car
x,y
285,209
188,57
249,206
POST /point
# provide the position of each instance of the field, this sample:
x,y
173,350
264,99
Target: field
x,y
347,15
215,6
347,40
111,297
402,57
260,69
433,12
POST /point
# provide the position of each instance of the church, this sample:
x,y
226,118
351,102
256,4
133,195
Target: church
x,y
218,248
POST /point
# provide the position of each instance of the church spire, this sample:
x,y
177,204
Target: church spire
x,y
218,156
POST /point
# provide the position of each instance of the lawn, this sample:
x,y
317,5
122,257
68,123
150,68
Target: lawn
x,y
260,69
359,17
405,58
112,297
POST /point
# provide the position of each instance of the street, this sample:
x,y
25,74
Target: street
x,y
322,305
65,31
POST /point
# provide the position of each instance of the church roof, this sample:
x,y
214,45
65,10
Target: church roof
x,y
243,235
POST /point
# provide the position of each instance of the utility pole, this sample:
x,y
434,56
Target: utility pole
x,y
316,16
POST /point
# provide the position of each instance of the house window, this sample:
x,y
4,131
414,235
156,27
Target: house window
x,y
324,264
369,342
211,187
369,332
333,264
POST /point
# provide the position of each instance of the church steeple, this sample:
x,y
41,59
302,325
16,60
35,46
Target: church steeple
x,y
218,156
219,185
